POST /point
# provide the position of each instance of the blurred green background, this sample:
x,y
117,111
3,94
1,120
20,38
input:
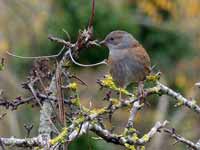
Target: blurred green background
x,y
169,30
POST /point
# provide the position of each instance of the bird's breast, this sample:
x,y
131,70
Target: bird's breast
x,y
126,68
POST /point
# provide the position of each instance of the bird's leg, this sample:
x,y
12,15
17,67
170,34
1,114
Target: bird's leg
x,y
120,95
141,94
120,92
141,91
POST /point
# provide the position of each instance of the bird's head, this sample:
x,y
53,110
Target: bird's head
x,y
117,40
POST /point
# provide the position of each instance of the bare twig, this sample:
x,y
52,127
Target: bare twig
x,y
77,78
2,116
92,15
14,104
181,139
28,128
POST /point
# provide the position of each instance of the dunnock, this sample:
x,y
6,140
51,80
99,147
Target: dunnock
x,y
128,60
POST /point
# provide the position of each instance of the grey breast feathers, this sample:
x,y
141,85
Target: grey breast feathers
x,y
130,68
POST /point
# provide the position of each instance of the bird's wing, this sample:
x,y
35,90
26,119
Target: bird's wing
x,y
142,57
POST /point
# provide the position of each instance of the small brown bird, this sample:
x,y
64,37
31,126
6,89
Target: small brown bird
x,y
128,60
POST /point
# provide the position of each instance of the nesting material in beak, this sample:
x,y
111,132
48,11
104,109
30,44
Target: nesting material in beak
x,y
103,43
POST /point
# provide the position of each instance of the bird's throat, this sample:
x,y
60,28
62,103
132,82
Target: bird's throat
x,y
116,53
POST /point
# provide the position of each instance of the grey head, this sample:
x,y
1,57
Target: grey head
x,y
119,40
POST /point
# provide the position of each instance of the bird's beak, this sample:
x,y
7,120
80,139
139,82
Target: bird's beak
x,y
103,43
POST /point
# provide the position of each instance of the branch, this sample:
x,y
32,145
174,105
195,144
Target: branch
x,y
27,142
92,15
60,41
180,99
82,40
104,134
122,140
136,106
19,101
181,139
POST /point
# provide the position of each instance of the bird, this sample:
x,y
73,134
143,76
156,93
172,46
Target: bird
x,y
128,60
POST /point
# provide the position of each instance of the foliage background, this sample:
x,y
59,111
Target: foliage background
x,y
169,30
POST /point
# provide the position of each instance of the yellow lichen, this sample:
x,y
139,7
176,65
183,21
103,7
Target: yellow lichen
x,y
125,131
193,103
135,137
73,86
2,66
179,103
124,91
154,90
37,148
109,83
76,101
131,130
80,120
153,78
145,138
60,138
66,64
129,147
98,111
115,101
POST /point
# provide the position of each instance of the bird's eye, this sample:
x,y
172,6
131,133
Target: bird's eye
x,y
112,39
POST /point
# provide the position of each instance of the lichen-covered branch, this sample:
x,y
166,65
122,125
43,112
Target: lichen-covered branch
x,y
181,139
26,142
136,106
180,99
122,139
84,39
